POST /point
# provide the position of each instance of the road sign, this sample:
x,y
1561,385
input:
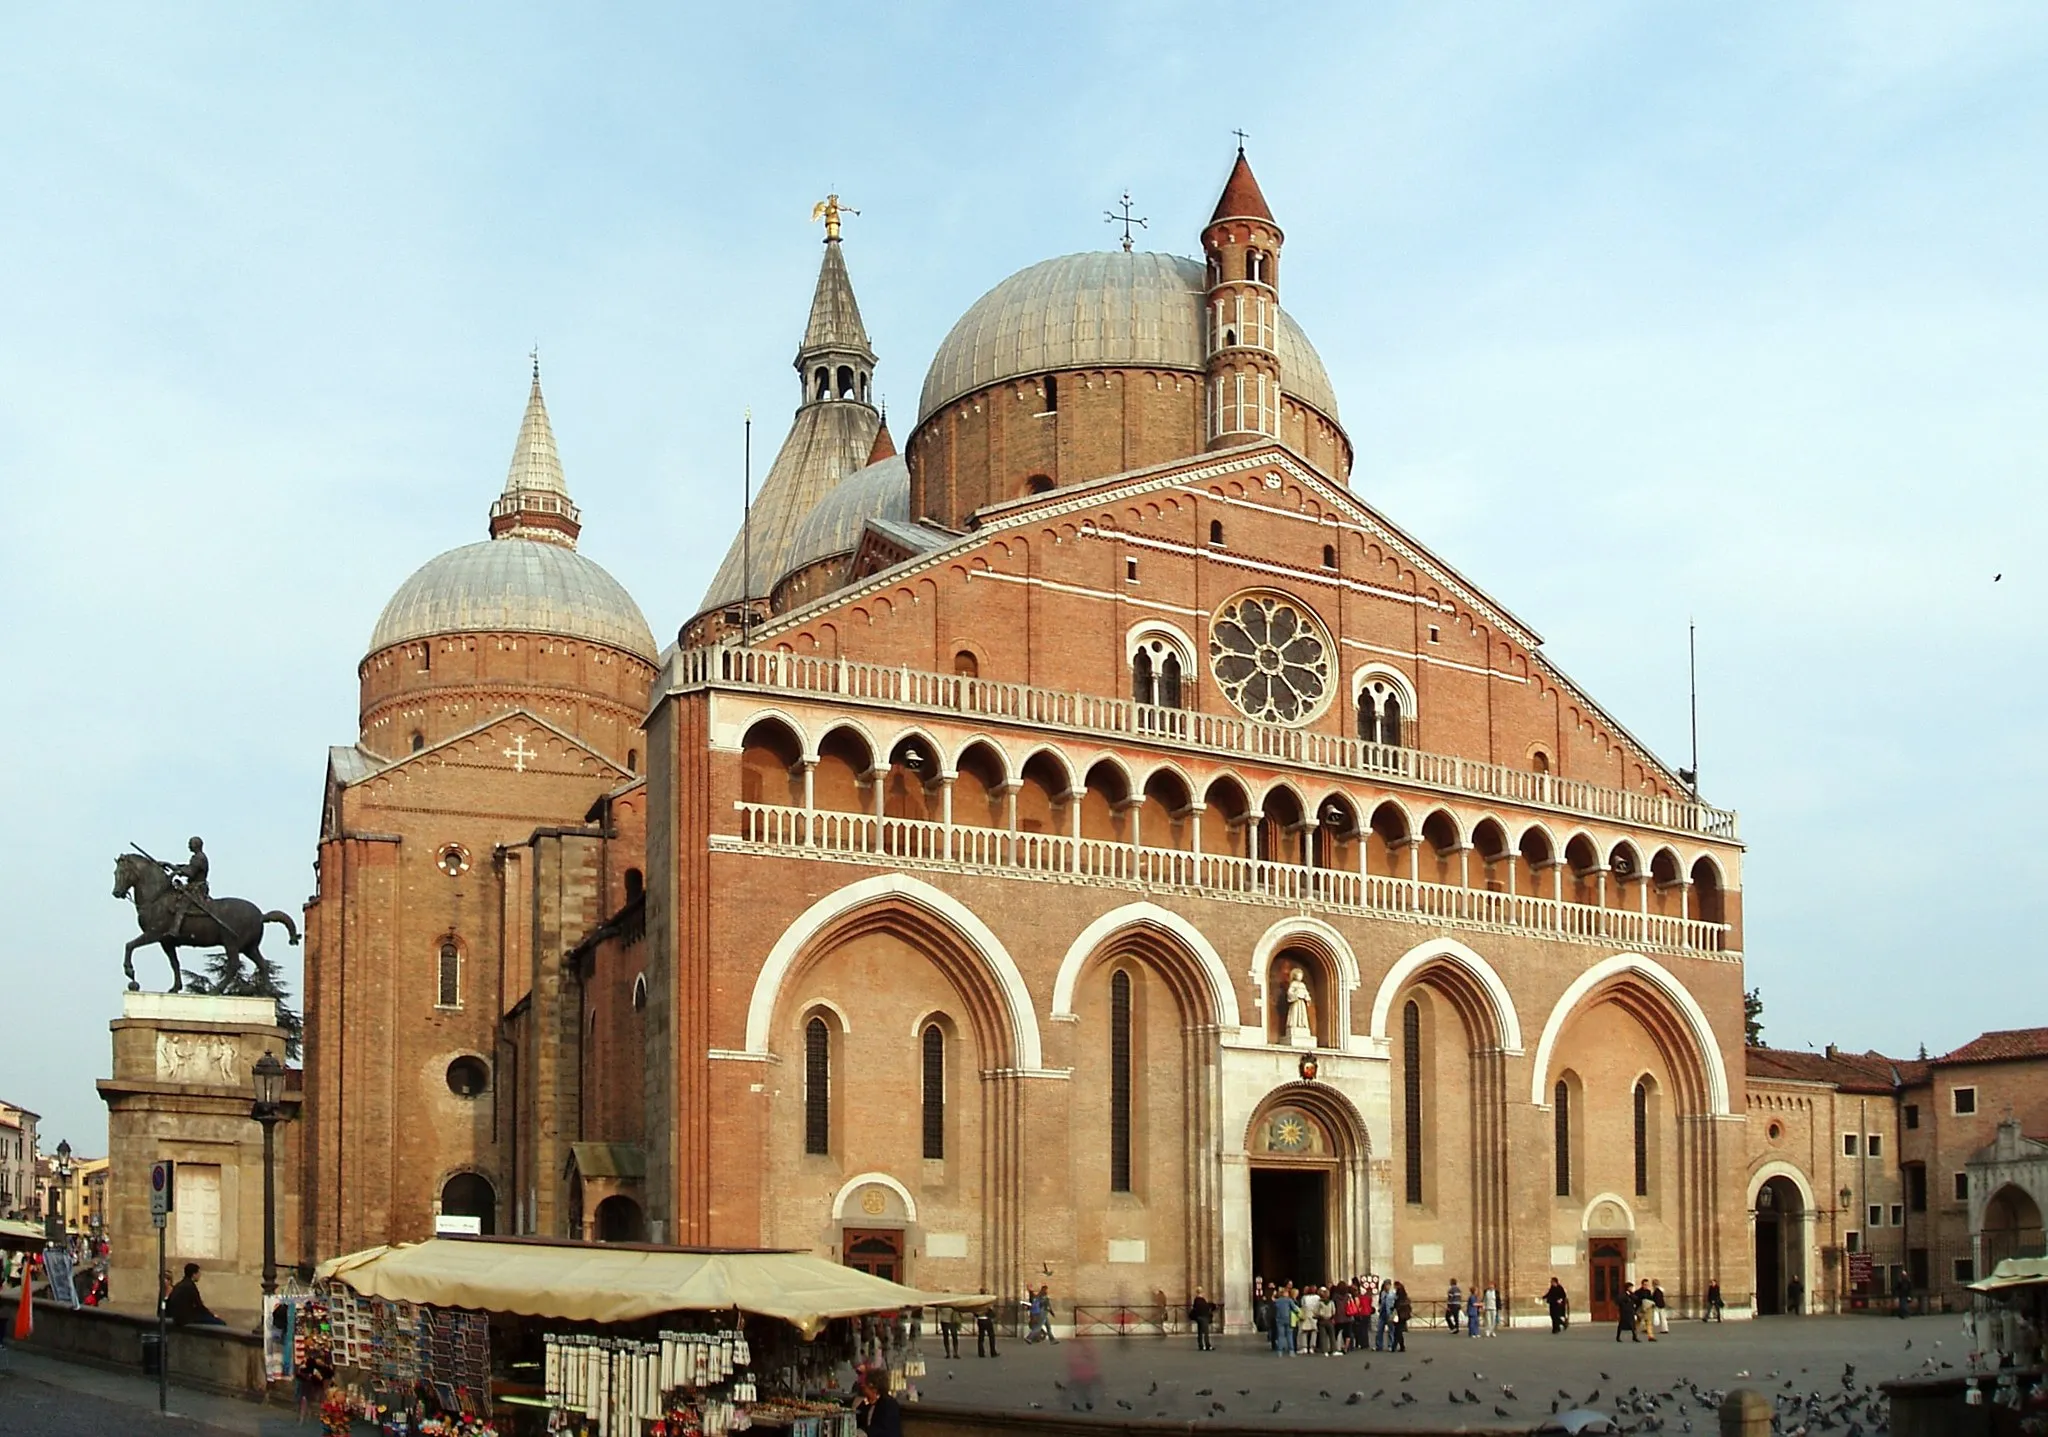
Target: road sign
x,y
163,1191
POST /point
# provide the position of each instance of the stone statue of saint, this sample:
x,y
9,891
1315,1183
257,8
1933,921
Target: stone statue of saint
x,y
1298,1025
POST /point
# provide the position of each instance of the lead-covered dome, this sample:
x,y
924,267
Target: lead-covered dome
x,y
515,585
1086,311
834,525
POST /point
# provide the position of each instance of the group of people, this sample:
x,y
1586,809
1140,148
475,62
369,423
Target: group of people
x,y
1366,1313
1641,1311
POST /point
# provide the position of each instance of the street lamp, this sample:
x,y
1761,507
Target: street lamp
x,y
268,1076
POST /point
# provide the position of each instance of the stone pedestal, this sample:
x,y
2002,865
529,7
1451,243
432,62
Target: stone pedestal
x,y
182,1090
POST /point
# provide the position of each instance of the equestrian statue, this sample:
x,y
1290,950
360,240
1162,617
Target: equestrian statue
x,y
175,908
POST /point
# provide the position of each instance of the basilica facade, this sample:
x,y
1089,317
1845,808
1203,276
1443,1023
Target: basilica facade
x,y
1092,845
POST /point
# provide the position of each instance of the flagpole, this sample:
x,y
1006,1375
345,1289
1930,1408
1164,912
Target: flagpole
x,y
747,529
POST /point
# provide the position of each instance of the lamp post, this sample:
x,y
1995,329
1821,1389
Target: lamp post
x,y
54,1226
268,1076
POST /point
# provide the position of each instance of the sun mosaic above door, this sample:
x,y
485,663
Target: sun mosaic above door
x,y
1271,658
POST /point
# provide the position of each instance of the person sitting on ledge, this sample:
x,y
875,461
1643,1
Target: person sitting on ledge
x,y
186,1307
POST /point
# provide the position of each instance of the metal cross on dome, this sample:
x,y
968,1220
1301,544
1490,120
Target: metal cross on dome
x,y
1122,215
519,753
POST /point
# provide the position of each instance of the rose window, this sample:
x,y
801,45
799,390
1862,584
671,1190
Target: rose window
x,y
1270,658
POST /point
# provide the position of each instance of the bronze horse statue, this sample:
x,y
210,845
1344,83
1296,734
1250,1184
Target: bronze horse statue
x,y
167,918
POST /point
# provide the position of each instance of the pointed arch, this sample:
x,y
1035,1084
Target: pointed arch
x,y
942,909
1507,1024
1635,969
1216,978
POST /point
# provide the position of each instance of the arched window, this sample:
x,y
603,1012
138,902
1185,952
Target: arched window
x,y
1039,484
1329,556
1216,532
824,383
1381,712
419,740
817,1087
934,1091
1120,1082
966,665
450,987
1561,1116
846,387
1642,1139
1411,1096
1168,688
1159,666
632,760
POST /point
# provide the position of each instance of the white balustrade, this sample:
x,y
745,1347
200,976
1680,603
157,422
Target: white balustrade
x,y
922,843
919,690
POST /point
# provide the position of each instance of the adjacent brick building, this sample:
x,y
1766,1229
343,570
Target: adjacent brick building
x,y
1932,1169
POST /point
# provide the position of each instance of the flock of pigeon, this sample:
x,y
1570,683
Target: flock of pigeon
x,y
1858,1410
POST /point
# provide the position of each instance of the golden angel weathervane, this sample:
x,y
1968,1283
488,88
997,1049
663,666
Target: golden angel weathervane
x,y
829,210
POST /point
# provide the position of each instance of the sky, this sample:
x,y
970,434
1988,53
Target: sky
x,y
1638,315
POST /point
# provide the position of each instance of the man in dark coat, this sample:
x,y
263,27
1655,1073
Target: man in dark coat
x,y
186,1307
1201,1312
1625,1314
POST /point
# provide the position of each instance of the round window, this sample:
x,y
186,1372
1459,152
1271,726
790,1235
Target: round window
x,y
1271,658
453,859
467,1077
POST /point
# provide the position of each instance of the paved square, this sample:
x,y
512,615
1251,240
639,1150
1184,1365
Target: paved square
x,y
1168,1377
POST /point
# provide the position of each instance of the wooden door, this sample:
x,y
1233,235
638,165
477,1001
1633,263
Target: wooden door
x,y
877,1252
1609,1260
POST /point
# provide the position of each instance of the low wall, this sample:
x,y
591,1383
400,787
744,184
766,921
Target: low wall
x,y
212,1359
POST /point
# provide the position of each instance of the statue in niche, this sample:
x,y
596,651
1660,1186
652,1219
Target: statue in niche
x,y
1300,1030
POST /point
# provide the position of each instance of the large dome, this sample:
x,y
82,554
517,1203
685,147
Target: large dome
x,y
517,585
1085,311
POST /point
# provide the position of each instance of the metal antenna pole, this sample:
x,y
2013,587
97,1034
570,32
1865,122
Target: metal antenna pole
x,y
1692,674
747,530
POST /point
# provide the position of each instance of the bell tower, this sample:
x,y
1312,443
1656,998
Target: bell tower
x,y
1241,317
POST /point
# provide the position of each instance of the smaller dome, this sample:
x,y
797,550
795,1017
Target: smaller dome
x,y
515,585
880,491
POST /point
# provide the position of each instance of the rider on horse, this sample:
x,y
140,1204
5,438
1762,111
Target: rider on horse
x,y
189,878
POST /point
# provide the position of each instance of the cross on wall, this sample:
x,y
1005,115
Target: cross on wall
x,y
519,753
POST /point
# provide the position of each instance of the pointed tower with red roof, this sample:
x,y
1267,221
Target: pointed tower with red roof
x,y
1241,318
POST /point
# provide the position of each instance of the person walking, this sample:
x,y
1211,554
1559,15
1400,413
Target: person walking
x,y
1660,1319
1714,1303
1492,1306
985,1331
1557,1304
1905,1295
1794,1291
1262,1308
1454,1307
1646,1310
1404,1313
1625,1314
1472,1313
1199,1313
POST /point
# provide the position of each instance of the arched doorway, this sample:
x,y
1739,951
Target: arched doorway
x,y
1780,1245
619,1219
1309,1198
2012,1227
471,1195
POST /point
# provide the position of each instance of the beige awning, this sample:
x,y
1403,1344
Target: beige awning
x,y
2014,1272
22,1236
603,1282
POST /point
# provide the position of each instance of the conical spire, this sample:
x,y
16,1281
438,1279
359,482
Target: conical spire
x,y
835,360
535,503
884,446
1241,198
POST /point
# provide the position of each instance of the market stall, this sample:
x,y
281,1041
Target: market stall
x,y
472,1335
2000,1392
